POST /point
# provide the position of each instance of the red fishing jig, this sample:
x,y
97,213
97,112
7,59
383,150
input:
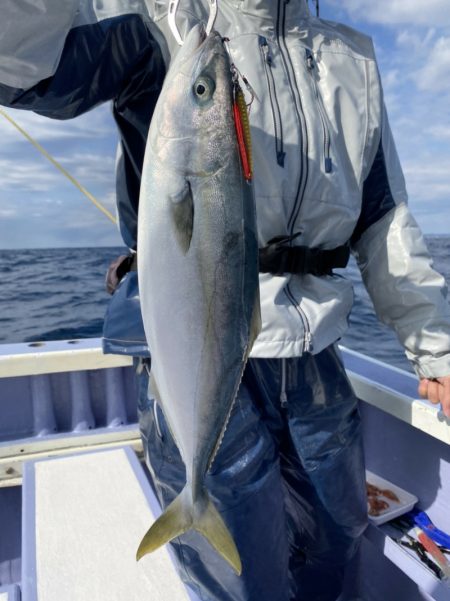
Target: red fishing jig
x,y
242,124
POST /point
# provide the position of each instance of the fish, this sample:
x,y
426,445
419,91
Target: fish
x,y
198,275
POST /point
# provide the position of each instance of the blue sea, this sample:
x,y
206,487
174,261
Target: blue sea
x,y
59,294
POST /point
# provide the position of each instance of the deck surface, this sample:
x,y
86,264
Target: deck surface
x,y
90,513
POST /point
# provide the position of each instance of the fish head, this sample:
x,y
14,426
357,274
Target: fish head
x,y
194,126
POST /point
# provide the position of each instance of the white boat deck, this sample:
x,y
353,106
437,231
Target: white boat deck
x,y
83,518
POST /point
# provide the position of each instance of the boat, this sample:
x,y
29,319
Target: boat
x,y
75,497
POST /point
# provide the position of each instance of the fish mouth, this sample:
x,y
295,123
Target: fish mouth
x,y
210,40
202,44
204,37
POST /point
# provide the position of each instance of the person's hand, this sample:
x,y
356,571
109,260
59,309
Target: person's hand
x,y
437,391
112,276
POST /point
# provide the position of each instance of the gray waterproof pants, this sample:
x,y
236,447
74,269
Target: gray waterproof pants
x,y
288,481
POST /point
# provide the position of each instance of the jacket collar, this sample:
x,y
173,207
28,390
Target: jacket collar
x,y
270,9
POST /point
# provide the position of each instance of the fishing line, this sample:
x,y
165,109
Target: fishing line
x,y
58,166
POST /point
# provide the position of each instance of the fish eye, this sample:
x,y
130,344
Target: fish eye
x,y
203,88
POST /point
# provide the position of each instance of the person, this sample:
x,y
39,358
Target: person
x,y
289,475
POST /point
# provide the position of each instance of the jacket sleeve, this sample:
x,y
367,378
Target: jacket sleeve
x,y
32,39
396,267
118,59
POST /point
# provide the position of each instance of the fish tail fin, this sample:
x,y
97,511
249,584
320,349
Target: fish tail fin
x,y
182,515
213,528
175,520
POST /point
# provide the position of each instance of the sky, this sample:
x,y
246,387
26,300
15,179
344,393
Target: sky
x,y
41,209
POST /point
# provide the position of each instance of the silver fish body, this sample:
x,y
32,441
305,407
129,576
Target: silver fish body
x,y
198,274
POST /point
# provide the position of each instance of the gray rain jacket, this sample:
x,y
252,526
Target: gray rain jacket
x,y
325,164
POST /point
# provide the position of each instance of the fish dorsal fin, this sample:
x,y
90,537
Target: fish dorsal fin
x,y
182,209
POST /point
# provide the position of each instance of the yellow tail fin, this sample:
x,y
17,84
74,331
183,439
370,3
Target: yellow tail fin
x,y
181,516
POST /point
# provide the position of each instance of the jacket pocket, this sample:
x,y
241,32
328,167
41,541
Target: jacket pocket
x,y
311,66
324,303
274,104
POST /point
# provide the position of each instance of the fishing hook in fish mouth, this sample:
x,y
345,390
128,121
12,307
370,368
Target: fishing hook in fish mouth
x,y
212,16
172,19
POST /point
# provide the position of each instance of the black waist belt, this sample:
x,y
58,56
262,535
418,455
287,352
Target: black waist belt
x,y
278,258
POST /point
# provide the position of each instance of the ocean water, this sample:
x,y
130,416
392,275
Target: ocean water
x,y
59,294
53,294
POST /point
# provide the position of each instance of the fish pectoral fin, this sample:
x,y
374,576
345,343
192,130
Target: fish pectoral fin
x,y
213,528
182,209
175,520
182,515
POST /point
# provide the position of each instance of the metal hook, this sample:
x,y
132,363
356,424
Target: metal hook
x,y
172,15
171,18
212,16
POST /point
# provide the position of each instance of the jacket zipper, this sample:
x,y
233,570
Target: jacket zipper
x,y
290,73
276,113
311,65
303,177
307,336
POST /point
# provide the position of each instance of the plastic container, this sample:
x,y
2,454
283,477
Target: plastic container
x,y
394,509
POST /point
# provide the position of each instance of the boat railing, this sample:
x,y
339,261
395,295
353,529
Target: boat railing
x,y
394,391
63,396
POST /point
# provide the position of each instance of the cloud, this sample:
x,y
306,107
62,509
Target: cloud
x,y
61,217
33,191
38,175
90,168
434,76
39,207
7,213
440,131
95,124
428,185
413,40
400,12
51,231
28,176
